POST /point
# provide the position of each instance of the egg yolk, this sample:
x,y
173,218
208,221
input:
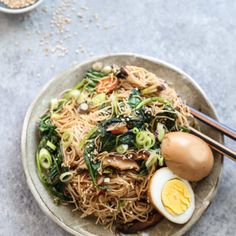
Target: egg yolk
x,y
175,197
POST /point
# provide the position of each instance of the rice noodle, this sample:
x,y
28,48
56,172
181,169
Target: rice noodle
x,y
127,199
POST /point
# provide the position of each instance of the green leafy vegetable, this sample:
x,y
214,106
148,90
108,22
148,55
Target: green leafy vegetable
x,y
108,142
49,159
167,117
87,136
184,129
138,119
126,138
149,100
134,98
90,80
143,169
45,125
94,74
92,164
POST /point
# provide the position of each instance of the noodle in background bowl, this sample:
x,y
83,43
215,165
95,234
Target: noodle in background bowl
x,y
70,221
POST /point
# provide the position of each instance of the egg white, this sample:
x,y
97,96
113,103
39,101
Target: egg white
x,y
157,183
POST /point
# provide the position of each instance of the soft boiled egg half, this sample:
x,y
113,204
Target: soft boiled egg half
x,y
171,195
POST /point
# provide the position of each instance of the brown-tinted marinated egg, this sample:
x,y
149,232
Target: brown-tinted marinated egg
x,y
187,155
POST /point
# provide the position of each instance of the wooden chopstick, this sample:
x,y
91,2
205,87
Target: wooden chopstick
x,y
215,145
231,133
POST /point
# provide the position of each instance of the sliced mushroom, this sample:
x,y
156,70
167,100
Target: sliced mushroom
x,y
122,73
161,87
136,226
140,155
83,107
143,155
120,162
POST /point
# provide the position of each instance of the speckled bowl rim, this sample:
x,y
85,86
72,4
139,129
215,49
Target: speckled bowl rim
x,y
20,10
30,183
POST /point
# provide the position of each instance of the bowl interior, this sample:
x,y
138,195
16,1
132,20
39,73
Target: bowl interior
x,y
62,215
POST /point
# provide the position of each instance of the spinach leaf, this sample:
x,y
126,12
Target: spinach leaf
x,y
92,164
111,121
169,113
134,98
108,142
126,138
138,119
111,141
57,191
143,169
50,177
94,74
184,129
45,125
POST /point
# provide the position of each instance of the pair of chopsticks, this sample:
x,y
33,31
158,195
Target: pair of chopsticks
x,y
231,133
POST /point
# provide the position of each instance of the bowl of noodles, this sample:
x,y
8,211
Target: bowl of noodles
x,y
91,143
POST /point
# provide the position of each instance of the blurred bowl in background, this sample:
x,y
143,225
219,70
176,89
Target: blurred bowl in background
x,y
5,9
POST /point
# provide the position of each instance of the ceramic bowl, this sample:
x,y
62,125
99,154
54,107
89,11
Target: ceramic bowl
x,y
5,9
63,215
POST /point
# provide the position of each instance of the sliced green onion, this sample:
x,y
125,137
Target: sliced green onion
x,y
107,171
160,131
106,70
98,99
45,159
122,148
55,116
148,90
153,158
84,140
161,160
106,180
51,145
145,139
54,103
115,103
65,177
135,130
73,93
83,97
66,138
92,83
80,84
40,174
149,100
